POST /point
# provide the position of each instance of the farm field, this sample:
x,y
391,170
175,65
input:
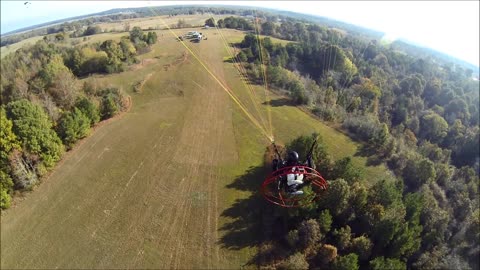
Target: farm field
x,y
13,47
153,187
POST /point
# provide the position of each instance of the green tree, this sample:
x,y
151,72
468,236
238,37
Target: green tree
x,y
433,127
151,38
381,263
406,241
433,218
362,246
385,193
5,198
345,169
108,107
336,197
112,49
210,22
115,54
297,91
413,85
8,139
358,199
268,28
242,57
325,221
128,50
347,262
419,171
34,129
136,35
467,148
381,138
54,66
8,142
92,30
343,237
73,126
89,109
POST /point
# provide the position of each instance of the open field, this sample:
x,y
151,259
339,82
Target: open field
x,y
13,47
153,188
158,22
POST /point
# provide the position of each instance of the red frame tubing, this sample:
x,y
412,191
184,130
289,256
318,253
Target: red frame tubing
x,y
275,196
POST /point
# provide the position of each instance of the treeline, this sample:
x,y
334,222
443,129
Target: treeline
x,y
231,22
109,56
418,116
77,28
45,109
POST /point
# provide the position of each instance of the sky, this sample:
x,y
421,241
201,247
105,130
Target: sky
x,y
451,27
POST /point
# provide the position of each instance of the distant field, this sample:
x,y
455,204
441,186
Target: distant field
x,y
158,22
13,47
153,188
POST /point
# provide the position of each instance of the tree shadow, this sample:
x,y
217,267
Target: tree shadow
x,y
280,102
245,228
255,222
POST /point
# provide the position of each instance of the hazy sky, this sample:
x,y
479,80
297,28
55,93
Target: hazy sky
x,y
448,26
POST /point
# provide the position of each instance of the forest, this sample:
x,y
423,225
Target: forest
x,y
45,108
418,115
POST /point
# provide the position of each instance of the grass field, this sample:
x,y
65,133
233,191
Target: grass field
x,y
154,188
13,47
